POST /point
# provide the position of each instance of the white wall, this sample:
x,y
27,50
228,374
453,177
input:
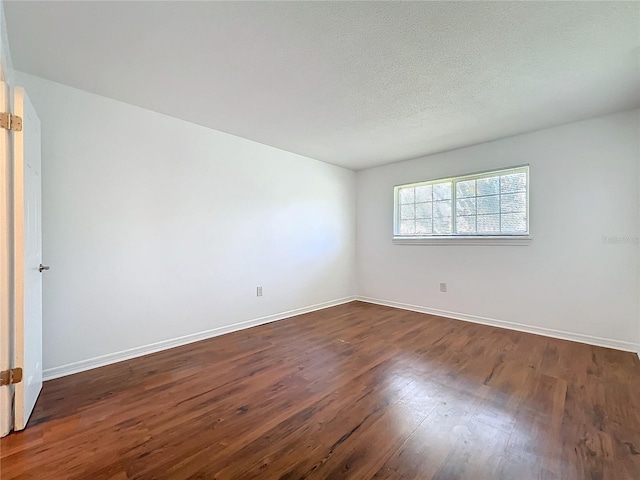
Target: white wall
x,y
156,228
584,186
5,52
6,236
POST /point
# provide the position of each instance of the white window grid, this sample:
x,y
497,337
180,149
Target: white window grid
x,y
453,199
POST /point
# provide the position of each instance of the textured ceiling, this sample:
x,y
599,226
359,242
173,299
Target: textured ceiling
x,y
354,84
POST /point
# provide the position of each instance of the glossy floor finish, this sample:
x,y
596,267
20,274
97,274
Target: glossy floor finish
x,y
357,391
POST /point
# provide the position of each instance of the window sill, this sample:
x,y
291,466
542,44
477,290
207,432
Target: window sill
x,y
503,240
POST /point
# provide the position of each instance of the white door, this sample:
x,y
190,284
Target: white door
x,y
28,259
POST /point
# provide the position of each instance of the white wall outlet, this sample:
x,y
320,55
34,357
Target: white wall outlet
x,y
443,287
258,291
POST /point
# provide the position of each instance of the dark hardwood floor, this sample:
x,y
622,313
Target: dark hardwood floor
x,y
357,391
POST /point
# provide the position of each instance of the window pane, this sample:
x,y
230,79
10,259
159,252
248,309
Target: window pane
x,y
423,226
442,209
466,189
407,227
516,182
423,193
442,191
407,211
488,204
514,202
488,186
406,195
423,210
514,223
466,206
488,223
493,203
466,224
442,225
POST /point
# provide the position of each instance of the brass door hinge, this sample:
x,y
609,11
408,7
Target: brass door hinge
x,y
11,122
9,377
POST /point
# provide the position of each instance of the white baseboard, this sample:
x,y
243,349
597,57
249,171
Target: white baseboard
x,y
82,365
88,364
547,332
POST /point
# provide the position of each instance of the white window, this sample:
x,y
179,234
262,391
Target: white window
x,y
491,204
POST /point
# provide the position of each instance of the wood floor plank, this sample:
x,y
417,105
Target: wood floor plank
x,y
357,391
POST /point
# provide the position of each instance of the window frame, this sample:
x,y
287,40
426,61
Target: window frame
x,y
455,238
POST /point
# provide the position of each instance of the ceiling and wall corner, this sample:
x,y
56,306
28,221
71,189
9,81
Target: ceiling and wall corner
x,y
356,84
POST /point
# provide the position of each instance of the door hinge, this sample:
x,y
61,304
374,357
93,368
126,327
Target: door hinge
x,y
9,377
11,122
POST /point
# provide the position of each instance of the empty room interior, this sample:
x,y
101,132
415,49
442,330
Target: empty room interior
x,y
320,240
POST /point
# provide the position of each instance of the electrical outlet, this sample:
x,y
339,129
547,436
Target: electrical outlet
x,y
443,287
258,291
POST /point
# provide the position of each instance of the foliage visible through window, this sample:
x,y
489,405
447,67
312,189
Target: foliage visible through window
x,y
488,204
